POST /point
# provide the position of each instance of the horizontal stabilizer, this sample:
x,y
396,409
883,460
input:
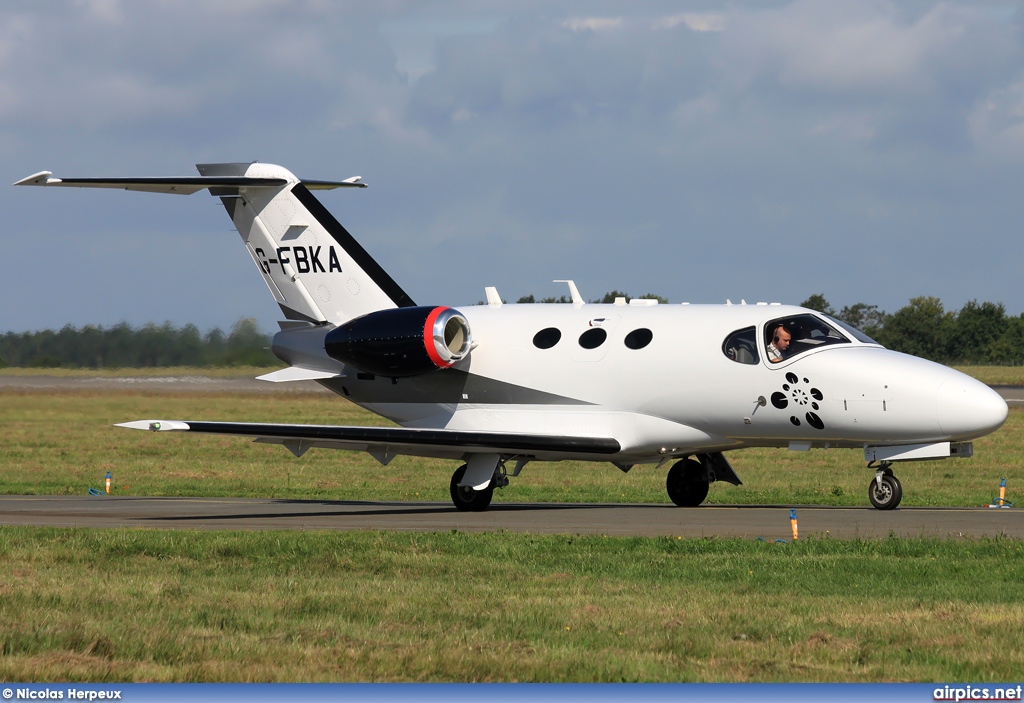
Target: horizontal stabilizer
x,y
399,440
179,185
296,373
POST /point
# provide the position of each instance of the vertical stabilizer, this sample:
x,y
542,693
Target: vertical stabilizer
x,y
313,267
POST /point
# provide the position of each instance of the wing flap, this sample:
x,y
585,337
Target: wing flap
x,y
400,440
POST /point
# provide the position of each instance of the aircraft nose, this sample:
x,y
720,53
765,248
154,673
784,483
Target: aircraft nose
x,y
967,408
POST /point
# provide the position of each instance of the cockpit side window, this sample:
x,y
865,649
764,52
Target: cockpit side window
x,y
741,346
788,337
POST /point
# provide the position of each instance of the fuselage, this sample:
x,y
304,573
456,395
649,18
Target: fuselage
x,y
672,379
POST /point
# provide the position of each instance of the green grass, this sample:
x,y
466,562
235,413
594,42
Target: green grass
x,y
149,371
63,443
995,375
128,605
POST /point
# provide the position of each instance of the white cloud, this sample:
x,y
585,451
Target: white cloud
x,y
593,147
592,24
698,22
997,123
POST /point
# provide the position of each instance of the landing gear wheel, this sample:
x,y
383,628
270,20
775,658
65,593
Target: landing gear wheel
x,y
888,495
686,483
466,498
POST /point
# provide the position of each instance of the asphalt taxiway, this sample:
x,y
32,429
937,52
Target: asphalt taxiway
x,y
648,520
770,522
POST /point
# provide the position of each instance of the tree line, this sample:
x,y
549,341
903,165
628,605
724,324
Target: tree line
x,y
123,346
978,333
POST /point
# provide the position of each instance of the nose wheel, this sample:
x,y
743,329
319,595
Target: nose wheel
x,y
885,491
687,483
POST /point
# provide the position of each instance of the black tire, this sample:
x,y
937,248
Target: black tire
x,y
888,495
686,483
465,498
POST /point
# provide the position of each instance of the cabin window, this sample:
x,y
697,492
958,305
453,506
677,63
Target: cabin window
x,y
639,338
741,346
788,337
593,338
547,338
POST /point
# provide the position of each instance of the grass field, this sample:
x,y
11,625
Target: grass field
x,y
63,443
995,375
127,605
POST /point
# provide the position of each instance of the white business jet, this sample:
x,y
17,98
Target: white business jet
x,y
497,386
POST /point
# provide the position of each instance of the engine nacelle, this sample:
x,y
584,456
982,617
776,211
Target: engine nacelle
x,y
401,342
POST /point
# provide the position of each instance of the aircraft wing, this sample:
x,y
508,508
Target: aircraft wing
x,y
383,443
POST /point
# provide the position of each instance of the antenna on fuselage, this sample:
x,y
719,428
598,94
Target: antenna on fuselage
x,y
574,293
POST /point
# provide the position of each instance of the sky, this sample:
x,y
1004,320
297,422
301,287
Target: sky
x,y
870,151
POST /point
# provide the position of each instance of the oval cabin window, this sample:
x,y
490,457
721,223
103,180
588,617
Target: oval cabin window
x,y
593,338
546,338
741,346
638,339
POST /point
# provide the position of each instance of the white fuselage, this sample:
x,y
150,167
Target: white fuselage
x,y
681,392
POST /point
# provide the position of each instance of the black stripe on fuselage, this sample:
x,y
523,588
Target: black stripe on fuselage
x,y
347,242
415,437
446,387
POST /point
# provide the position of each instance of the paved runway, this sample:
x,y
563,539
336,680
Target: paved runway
x,y
770,522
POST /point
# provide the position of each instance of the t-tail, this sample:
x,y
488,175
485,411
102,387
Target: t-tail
x,y
313,267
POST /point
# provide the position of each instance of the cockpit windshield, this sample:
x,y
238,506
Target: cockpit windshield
x,y
788,337
852,331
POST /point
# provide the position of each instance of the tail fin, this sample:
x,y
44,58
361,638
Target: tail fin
x,y
313,267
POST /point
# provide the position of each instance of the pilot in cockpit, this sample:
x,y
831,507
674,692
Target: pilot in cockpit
x,y
779,344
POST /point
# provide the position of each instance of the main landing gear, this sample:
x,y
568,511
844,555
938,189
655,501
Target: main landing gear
x,y
475,500
885,490
466,498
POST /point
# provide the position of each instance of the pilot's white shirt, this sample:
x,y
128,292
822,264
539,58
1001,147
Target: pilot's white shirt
x,y
774,355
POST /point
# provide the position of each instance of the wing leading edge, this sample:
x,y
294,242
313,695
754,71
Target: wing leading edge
x,y
390,441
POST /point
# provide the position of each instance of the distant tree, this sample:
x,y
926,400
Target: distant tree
x,y
527,299
610,297
977,331
247,345
1009,348
922,328
818,302
864,317
121,346
653,296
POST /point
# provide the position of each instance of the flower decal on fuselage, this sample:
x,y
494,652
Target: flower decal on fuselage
x,y
799,395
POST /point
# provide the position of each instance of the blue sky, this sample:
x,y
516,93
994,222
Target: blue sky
x,y
870,151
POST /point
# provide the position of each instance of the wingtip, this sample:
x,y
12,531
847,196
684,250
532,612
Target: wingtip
x,y
155,425
37,179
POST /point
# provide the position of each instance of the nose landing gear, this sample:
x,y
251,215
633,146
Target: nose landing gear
x,y
885,491
687,483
